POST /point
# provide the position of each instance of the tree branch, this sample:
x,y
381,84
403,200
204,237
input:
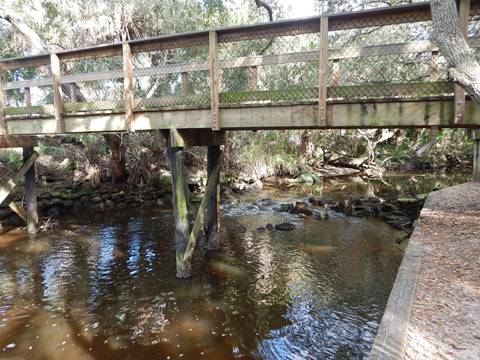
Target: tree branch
x,y
268,8
464,68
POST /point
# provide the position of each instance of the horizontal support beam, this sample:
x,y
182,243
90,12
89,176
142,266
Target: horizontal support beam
x,y
194,137
18,141
399,114
352,20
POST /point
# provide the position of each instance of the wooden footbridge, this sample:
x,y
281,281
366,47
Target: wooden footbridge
x,y
366,69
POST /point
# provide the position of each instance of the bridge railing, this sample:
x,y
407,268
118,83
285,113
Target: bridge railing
x,y
376,55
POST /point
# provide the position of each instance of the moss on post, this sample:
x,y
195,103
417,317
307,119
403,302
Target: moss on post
x,y
30,193
213,206
180,208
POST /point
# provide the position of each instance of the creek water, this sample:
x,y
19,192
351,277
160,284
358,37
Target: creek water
x,y
103,286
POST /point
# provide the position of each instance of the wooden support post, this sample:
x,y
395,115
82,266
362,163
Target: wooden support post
x,y
180,210
30,193
57,93
253,76
322,83
3,124
185,84
214,81
459,93
213,205
200,217
476,155
128,85
434,66
7,188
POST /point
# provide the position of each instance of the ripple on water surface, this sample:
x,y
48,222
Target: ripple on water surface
x,y
104,287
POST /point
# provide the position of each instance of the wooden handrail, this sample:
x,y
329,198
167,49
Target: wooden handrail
x,y
360,19
416,47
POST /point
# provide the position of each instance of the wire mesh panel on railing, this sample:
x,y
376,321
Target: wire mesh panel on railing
x,y
172,78
93,85
28,92
279,69
386,62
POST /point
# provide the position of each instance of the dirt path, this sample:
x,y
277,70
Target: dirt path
x,y
439,317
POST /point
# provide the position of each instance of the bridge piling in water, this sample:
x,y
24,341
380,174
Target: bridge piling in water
x,y
208,215
180,209
27,170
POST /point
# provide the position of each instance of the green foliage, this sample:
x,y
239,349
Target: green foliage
x,y
11,159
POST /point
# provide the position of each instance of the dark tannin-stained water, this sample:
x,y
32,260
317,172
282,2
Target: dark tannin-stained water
x,y
104,287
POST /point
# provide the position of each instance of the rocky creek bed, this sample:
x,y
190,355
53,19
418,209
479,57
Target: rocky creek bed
x,y
400,213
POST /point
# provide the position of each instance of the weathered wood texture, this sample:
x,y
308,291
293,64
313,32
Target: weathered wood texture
x,y
197,137
391,337
200,218
19,210
180,210
323,69
214,81
416,47
402,114
18,141
57,93
3,125
360,19
30,193
214,155
128,85
7,188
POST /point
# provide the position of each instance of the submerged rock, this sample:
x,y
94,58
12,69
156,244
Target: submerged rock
x,y
317,249
269,226
302,208
285,227
321,214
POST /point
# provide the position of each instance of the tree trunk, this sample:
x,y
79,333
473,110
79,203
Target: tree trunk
x,y
118,160
464,69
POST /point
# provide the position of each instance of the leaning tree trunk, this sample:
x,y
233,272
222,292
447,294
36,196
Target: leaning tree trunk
x,y
464,68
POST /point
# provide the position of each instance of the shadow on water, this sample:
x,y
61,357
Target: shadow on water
x,y
105,288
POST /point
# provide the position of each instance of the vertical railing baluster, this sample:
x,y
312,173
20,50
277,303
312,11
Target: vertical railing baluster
x,y
323,65
57,93
3,125
459,93
128,86
214,80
